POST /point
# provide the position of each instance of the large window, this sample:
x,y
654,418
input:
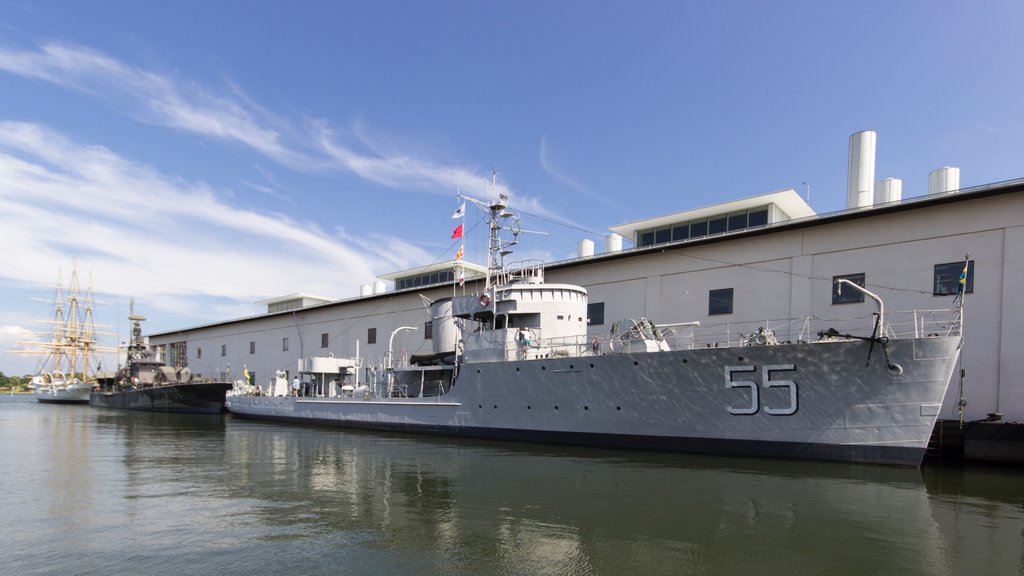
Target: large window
x,y
284,344
223,350
252,346
947,278
595,313
844,294
325,340
718,224
428,330
371,335
430,278
720,301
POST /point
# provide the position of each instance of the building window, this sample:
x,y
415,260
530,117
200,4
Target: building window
x,y
947,278
223,350
720,301
426,279
698,229
179,355
325,340
844,294
428,330
371,335
252,347
717,225
738,220
284,344
199,353
595,313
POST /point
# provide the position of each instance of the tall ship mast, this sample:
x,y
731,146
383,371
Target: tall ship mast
x,y
66,374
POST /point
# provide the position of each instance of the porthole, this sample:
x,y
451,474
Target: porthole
x,y
618,408
586,407
635,363
685,361
556,407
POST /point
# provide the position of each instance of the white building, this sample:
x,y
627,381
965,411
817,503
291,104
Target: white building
x,y
767,258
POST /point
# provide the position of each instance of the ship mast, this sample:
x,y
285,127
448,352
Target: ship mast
x,y
497,217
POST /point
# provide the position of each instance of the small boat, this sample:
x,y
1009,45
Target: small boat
x,y
515,362
146,383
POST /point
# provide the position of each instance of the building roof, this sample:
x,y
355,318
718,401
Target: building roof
x,y
297,296
787,200
435,267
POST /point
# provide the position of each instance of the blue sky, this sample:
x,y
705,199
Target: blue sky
x,y
202,156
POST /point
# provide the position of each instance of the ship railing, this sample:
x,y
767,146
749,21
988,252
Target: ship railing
x,y
898,324
521,272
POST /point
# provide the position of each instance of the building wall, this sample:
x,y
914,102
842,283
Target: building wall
x,y
776,276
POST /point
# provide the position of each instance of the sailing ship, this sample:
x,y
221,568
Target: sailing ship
x,y
147,383
66,373
514,362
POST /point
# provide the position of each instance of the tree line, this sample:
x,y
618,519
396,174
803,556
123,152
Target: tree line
x,y
17,382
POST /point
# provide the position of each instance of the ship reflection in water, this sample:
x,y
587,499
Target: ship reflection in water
x,y
197,494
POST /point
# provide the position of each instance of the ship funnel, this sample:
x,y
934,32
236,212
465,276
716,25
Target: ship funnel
x,y
860,190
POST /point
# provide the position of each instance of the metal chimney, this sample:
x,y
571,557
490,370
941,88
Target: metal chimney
x,y
860,189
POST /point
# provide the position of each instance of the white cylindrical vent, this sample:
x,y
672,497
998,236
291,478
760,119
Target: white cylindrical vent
x,y
365,289
860,188
888,190
585,248
945,179
445,334
613,243
379,287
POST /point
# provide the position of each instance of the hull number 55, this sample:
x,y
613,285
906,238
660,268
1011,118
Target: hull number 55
x,y
768,380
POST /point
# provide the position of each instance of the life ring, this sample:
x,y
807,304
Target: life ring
x,y
485,300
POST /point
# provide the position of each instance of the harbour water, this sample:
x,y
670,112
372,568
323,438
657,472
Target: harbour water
x,y
99,492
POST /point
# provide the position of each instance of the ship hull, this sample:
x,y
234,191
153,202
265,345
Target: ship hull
x,y
199,398
836,400
72,394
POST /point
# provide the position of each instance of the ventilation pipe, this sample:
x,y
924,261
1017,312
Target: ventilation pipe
x,y
613,243
585,248
379,287
888,190
945,179
861,175
365,289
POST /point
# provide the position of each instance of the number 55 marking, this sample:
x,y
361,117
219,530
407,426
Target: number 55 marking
x,y
767,382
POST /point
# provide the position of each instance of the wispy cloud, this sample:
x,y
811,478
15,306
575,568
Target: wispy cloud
x,y
553,169
308,145
61,197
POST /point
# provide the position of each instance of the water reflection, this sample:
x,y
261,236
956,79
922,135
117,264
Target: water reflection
x,y
149,493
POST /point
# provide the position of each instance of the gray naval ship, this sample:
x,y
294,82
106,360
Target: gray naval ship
x,y
514,362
